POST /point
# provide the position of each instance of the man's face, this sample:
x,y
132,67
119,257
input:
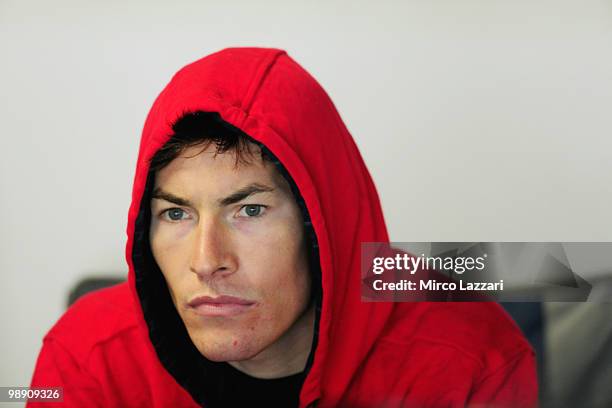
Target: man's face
x,y
228,239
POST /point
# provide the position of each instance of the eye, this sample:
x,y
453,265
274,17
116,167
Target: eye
x,y
173,214
251,210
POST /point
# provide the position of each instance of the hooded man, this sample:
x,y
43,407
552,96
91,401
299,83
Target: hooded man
x,y
249,206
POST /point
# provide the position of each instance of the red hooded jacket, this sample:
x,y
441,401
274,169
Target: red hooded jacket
x,y
111,348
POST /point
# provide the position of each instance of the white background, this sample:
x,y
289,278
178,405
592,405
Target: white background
x,y
480,120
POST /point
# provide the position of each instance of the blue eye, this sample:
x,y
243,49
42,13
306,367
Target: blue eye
x,y
252,210
175,214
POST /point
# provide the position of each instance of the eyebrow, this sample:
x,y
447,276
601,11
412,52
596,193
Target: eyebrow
x,y
233,198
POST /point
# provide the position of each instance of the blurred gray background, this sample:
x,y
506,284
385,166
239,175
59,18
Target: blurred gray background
x,y
480,120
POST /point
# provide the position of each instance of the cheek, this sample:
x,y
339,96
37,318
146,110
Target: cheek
x,y
282,275
169,247
168,239
272,263
274,259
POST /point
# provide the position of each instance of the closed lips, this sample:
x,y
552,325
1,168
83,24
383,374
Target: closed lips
x,y
222,306
220,300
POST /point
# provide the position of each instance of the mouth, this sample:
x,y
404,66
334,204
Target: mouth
x,y
221,306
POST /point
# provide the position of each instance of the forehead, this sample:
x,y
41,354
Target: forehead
x,y
203,168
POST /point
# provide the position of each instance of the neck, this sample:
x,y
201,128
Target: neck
x,y
287,355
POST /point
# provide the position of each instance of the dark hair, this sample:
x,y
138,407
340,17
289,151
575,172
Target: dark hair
x,y
203,129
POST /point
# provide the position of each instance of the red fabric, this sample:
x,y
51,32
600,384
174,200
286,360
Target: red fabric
x,y
368,354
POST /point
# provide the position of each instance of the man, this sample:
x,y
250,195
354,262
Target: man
x,y
249,206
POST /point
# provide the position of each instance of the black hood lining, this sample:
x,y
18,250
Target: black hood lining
x,y
174,348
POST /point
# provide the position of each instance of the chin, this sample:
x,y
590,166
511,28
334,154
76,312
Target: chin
x,y
224,356
225,347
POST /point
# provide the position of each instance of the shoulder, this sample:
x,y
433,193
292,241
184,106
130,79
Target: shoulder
x,y
96,318
481,331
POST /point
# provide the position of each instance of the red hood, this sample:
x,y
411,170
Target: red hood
x,y
274,100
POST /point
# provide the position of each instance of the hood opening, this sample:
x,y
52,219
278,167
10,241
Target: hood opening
x,y
167,332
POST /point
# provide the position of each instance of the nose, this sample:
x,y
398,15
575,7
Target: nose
x,y
212,253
